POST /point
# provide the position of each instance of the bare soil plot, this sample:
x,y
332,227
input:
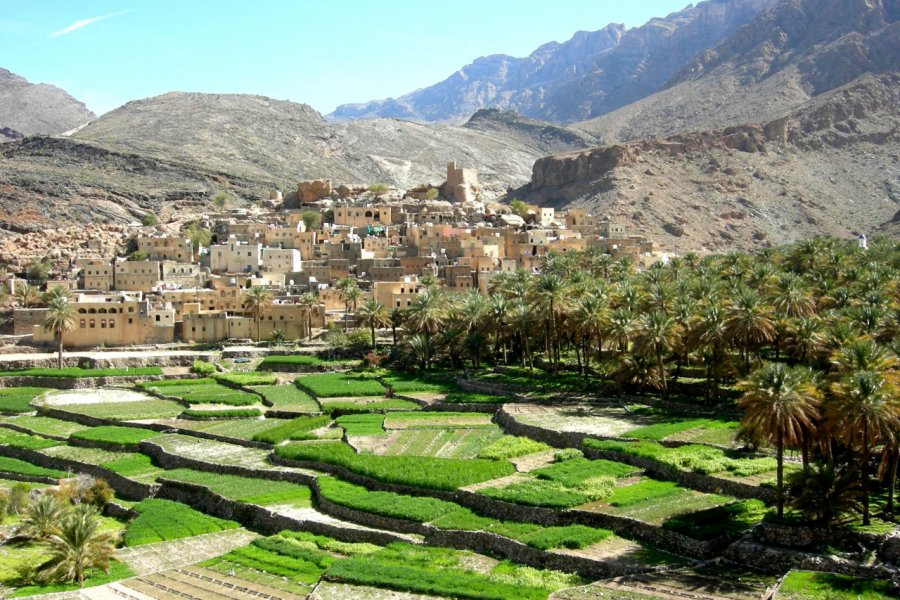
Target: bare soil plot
x,y
311,514
343,591
687,583
610,421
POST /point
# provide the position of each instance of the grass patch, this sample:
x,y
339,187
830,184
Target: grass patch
x,y
117,570
201,391
337,385
371,404
407,382
810,585
510,447
14,401
576,471
412,508
247,379
45,425
572,536
234,413
245,489
152,408
8,437
538,492
437,420
295,429
472,398
242,429
444,443
21,467
133,466
362,425
417,471
161,520
76,372
288,397
644,491
661,431
698,459
119,436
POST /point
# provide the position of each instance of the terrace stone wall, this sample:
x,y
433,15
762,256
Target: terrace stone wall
x,y
479,407
770,559
137,358
124,487
27,478
697,481
78,383
484,387
808,538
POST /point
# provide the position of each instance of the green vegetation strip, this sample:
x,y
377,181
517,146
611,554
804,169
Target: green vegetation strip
x,y
151,408
437,420
336,385
295,429
405,383
17,439
698,459
76,372
119,436
378,405
247,379
288,397
245,489
161,520
660,431
418,471
202,391
235,413
361,425
304,360
810,585
14,465
14,401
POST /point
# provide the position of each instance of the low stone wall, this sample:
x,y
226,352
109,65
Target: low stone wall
x,y
769,559
124,487
117,511
801,537
77,383
138,358
472,407
697,481
27,478
483,387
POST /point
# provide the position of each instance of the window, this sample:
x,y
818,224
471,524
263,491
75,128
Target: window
x,y
102,323
92,324
82,323
112,323
130,320
157,318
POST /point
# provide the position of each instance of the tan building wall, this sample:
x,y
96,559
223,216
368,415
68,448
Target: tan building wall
x,y
276,260
167,248
138,275
115,321
26,319
97,275
362,216
235,257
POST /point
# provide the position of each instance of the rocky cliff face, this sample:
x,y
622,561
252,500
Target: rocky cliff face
x,y
589,75
28,108
830,167
784,57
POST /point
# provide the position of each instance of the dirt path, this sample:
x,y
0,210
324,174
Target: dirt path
x,y
174,554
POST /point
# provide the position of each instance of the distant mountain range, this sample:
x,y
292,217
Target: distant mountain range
x,y
730,123
29,108
590,75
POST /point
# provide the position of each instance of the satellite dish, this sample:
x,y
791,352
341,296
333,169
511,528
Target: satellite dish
x,y
291,282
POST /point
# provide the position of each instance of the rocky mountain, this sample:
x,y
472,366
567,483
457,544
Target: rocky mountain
x,y
829,167
175,150
589,75
29,108
785,56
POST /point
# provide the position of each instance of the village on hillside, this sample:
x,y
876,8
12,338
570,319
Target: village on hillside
x,y
300,254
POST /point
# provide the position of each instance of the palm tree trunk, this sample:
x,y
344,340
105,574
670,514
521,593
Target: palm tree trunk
x,y
374,347
662,373
779,477
60,357
892,477
864,472
394,334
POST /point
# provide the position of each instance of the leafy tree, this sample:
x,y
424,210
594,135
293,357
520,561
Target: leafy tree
x,y
149,220
38,270
378,189
308,301
199,236
518,207
779,404
221,200
431,193
138,255
258,300
60,320
312,219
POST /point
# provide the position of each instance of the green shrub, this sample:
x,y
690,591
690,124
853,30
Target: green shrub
x,y
510,447
335,385
160,520
201,367
362,424
567,454
295,429
236,413
120,436
15,401
416,471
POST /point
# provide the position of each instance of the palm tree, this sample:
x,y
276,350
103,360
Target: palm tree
x,y
427,315
308,301
521,319
866,411
345,289
396,316
826,493
549,296
779,403
77,545
374,315
621,326
418,347
41,517
656,334
27,296
749,322
52,293
713,335
258,301
60,319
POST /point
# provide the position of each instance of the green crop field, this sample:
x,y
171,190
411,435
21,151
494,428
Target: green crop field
x,y
14,465
23,440
510,446
296,429
18,400
161,520
340,385
202,391
288,397
119,436
45,425
245,489
362,424
152,408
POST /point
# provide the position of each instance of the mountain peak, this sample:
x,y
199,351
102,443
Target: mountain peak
x,y
37,108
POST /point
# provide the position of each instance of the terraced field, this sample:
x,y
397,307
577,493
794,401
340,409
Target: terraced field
x,y
359,495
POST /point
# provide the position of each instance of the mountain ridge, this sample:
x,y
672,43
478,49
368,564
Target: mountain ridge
x,y
36,108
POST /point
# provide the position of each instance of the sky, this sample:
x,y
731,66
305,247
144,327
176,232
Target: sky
x,y
319,52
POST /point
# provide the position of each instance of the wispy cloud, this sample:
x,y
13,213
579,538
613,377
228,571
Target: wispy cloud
x,y
85,22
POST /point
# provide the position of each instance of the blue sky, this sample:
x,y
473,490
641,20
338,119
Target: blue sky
x,y
320,52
